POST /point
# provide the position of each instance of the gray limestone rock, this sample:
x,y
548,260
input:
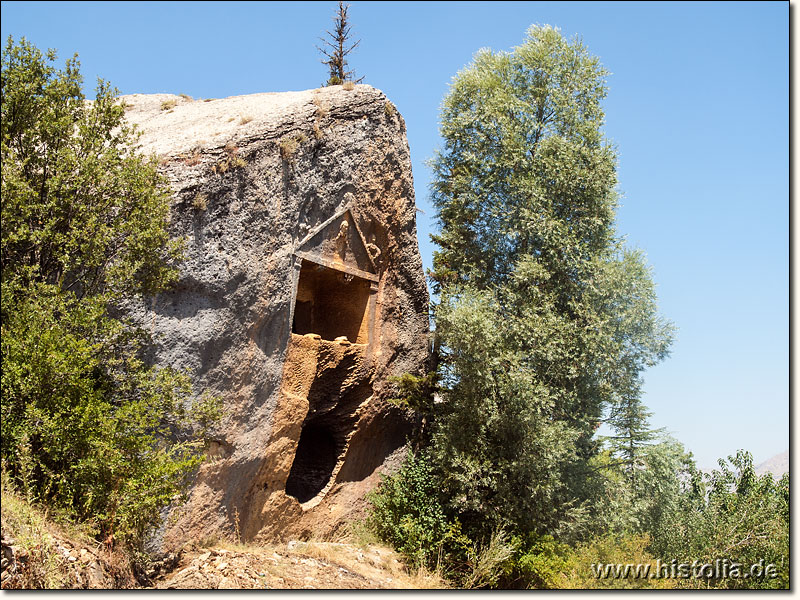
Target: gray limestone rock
x,y
298,215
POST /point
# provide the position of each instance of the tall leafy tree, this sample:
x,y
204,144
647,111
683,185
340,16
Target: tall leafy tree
x,y
545,320
86,425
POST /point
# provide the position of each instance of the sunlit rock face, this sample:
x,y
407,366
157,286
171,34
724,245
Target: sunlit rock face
x,y
301,293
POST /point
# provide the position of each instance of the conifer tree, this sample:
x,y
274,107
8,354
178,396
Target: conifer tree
x,y
338,48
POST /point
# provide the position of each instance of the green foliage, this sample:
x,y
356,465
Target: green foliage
x,y
636,338
612,550
524,172
541,563
489,563
545,324
498,454
666,471
80,211
545,320
406,513
415,392
86,425
735,515
638,503
731,514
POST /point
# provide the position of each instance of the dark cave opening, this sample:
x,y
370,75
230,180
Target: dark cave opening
x,y
316,457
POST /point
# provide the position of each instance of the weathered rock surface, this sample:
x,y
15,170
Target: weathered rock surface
x,y
301,294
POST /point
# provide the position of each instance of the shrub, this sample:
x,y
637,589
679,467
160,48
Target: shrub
x,y
611,550
541,563
87,426
488,564
407,514
169,104
734,515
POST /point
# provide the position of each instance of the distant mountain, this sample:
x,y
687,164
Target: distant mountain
x,y
777,465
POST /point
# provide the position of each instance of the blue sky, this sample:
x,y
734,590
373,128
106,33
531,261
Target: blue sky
x,y
698,108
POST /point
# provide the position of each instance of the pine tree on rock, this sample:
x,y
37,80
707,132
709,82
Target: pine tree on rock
x,y
338,49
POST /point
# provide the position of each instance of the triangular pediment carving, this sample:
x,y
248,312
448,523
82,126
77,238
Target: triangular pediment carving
x,y
338,244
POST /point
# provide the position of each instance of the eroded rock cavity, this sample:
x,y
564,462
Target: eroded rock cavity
x,y
328,368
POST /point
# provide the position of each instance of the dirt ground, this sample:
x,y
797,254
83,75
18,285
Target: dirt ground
x,y
39,553
296,565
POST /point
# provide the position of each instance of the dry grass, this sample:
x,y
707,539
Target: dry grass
x,y
228,164
187,97
46,543
374,563
245,120
320,113
193,159
362,535
200,202
43,567
389,109
169,104
485,562
322,108
231,161
291,144
349,86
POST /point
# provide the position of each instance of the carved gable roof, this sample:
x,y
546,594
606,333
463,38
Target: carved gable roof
x,y
338,244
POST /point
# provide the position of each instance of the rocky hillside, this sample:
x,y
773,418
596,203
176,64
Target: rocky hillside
x,y
41,553
777,465
38,553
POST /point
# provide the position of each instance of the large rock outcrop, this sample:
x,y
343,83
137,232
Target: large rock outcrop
x,y
302,292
